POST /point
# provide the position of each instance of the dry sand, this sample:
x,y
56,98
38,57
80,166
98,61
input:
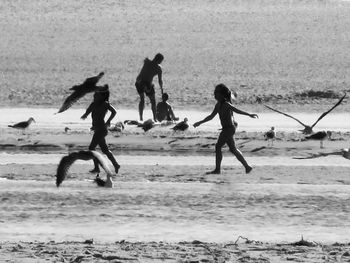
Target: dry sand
x,y
240,250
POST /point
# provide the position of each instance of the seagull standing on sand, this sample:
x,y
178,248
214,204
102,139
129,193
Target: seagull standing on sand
x,y
308,129
270,136
320,136
131,122
79,91
181,126
345,153
68,160
147,125
23,124
118,127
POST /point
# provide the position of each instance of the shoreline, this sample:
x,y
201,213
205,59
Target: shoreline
x,y
46,120
304,106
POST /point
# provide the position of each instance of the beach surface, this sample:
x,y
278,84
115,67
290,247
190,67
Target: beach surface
x,y
231,217
290,55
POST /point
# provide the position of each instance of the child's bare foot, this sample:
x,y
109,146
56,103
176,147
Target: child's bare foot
x,y
213,172
95,170
248,169
116,168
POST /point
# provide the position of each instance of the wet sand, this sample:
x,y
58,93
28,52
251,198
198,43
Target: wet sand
x,y
307,186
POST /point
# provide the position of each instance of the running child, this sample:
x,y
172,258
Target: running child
x,y
98,109
225,110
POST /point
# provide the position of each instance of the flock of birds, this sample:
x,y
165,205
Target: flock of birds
x,y
90,86
149,124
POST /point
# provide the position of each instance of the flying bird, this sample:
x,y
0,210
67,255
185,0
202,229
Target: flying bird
x,y
181,126
343,152
79,91
270,135
320,136
308,129
23,124
67,161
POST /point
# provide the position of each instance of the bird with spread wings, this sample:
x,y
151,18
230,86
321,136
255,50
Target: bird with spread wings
x,y
79,91
343,152
68,160
308,129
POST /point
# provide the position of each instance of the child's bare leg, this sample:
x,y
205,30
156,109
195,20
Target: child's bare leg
x,y
114,162
141,106
239,156
218,159
218,154
96,167
110,156
154,107
92,147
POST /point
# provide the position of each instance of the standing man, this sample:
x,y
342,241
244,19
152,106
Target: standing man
x,y
144,83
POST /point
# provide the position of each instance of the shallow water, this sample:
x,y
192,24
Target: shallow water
x,y
147,211
47,119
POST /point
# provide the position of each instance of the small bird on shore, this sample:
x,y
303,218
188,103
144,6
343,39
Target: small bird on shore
x,y
270,136
320,136
79,91
147,125
308,129
118,127
131,122
345,152
181,126
23,124
67,161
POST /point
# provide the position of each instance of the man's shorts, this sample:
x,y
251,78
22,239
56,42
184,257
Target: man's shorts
x,y
145,87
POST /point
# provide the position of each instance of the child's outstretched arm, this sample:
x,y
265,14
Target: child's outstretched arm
x,y
208,118
113,113
88,111
253,115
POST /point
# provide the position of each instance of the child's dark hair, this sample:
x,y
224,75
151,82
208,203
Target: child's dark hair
x,y
165,96
159,57
224,91
104,93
